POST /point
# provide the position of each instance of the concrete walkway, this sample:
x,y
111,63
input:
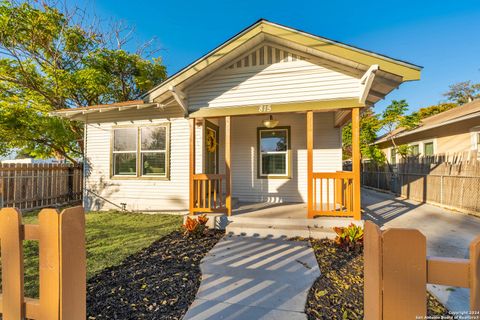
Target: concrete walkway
x,y
448,233
255,278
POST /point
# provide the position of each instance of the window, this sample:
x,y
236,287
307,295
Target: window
x,y
478,141
125,152
393,156
274,146
475,139
153,151
140,151
428,149
414,150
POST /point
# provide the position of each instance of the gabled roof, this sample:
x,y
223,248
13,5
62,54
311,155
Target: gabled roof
x,y
378,74
330,48
460,113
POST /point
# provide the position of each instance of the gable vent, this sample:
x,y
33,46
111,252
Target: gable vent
x,y
265,55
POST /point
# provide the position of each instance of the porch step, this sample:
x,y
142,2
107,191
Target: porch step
x,y
317,228
278,230
322,222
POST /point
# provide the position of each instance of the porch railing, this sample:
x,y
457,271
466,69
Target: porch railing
x,y
332,193
209,193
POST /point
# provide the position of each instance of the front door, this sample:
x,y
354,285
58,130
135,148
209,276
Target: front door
x,y
211,148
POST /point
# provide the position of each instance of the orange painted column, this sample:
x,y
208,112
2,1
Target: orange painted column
x,y
228,175
357,215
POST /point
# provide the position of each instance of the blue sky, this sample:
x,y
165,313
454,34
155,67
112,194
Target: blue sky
x,y
441,36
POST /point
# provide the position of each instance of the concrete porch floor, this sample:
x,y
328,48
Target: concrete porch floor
x,y
270,210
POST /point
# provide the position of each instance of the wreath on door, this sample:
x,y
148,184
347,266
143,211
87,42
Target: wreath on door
x,y
211,142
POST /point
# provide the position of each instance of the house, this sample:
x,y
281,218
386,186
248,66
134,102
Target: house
x,y
256,120
31,161
453,131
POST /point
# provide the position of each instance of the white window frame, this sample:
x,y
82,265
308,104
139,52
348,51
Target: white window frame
x,y
124,152
416,144
286,152
139,153
159,151
390,151
475,140
434,143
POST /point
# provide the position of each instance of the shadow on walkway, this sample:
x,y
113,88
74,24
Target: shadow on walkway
x,y
253,278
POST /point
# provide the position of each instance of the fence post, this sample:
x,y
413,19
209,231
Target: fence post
x,y
1,190
441,188
72,264
12,263
48,220
70,173
475,275
372,260
404,274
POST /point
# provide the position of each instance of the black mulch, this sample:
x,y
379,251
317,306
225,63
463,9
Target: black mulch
x,y
159,282
338,292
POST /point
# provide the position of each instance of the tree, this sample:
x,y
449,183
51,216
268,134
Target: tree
x,y
435,109
393,118
463,92
369,126
51,59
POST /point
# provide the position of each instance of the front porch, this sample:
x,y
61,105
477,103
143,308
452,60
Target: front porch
x,y
268,210
305,193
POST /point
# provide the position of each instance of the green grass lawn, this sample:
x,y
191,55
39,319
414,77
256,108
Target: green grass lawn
x,y
111,237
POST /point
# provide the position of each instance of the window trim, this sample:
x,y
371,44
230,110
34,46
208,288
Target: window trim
x,y
411,145
391,151
288,153
475,140
432,141
139,175
113,152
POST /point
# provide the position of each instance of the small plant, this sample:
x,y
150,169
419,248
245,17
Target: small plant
x,y
191,226
195,227
350,237
202,219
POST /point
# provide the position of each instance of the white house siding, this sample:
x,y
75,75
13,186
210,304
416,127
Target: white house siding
x,y
245,182
286,81
103,193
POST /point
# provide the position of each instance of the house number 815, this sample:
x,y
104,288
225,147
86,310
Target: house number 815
x,y
265,108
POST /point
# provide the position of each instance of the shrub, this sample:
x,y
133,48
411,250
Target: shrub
x,y
349,238
195,227
202,219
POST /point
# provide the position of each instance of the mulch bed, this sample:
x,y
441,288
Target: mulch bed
x,y
159,282
338,292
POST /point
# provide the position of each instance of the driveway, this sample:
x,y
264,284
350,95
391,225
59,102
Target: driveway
x,y
448,233
255,278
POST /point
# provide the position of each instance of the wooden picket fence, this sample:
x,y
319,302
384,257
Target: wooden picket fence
x,y
397,270
62,257
431,179
34,186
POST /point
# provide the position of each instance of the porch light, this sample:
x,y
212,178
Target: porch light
x,y
270,123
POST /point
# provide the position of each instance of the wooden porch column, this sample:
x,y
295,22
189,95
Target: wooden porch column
x,y
228,176
310,164
192,165
356,163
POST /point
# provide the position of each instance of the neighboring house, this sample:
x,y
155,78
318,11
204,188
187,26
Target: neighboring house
x,y
258,119
31,161
453,131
